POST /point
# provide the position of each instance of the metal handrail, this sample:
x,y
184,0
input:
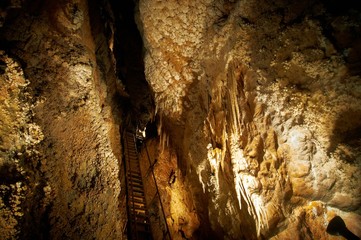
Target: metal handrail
x,y
127,226
156,186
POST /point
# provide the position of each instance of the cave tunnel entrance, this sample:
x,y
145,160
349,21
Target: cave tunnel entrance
x,y
128,51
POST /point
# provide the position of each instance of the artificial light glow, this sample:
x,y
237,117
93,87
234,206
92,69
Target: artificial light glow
x,y
247,185
214,157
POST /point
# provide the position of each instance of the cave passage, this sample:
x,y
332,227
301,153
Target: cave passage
x,y
128,51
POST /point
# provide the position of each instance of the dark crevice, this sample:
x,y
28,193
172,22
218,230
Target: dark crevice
x,y
346,134
341,7
344,37
128,51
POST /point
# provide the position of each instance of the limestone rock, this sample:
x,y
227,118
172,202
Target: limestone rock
x,y
264,83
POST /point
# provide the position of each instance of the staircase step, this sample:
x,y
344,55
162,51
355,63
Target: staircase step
x,y
136,193
136,189
139,204
134,171
134,174
137,199
138,208
138,216
136,186
135,178
136,183
135,212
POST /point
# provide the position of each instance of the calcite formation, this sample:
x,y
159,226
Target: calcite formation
x,y
18,136
261,101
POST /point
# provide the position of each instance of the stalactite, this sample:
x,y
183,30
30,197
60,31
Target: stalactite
x,y
233,100
244,181
163,136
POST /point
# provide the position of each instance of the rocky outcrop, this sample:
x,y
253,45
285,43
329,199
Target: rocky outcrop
x,y
60,144
261,102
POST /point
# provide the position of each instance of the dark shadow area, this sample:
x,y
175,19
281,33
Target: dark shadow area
x,y
346,131
338,227
341,7
128,50
151,130
9,174
342,26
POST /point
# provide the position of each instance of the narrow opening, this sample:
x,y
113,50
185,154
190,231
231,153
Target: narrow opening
x,y
128,51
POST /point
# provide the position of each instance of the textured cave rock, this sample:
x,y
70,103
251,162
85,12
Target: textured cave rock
x,y
60,151
261,102
254,130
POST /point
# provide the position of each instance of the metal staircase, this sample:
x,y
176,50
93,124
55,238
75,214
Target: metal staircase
x,y
138,220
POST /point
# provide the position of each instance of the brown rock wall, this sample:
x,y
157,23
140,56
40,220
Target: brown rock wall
x,y
178,205
61,132
256,97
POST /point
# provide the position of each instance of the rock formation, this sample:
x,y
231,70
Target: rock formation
x,y
261,102
60,148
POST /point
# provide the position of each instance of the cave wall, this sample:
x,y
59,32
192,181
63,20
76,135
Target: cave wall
x,y
261,102
60,144
171,207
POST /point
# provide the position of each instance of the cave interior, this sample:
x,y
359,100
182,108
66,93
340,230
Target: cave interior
x,y
232,119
